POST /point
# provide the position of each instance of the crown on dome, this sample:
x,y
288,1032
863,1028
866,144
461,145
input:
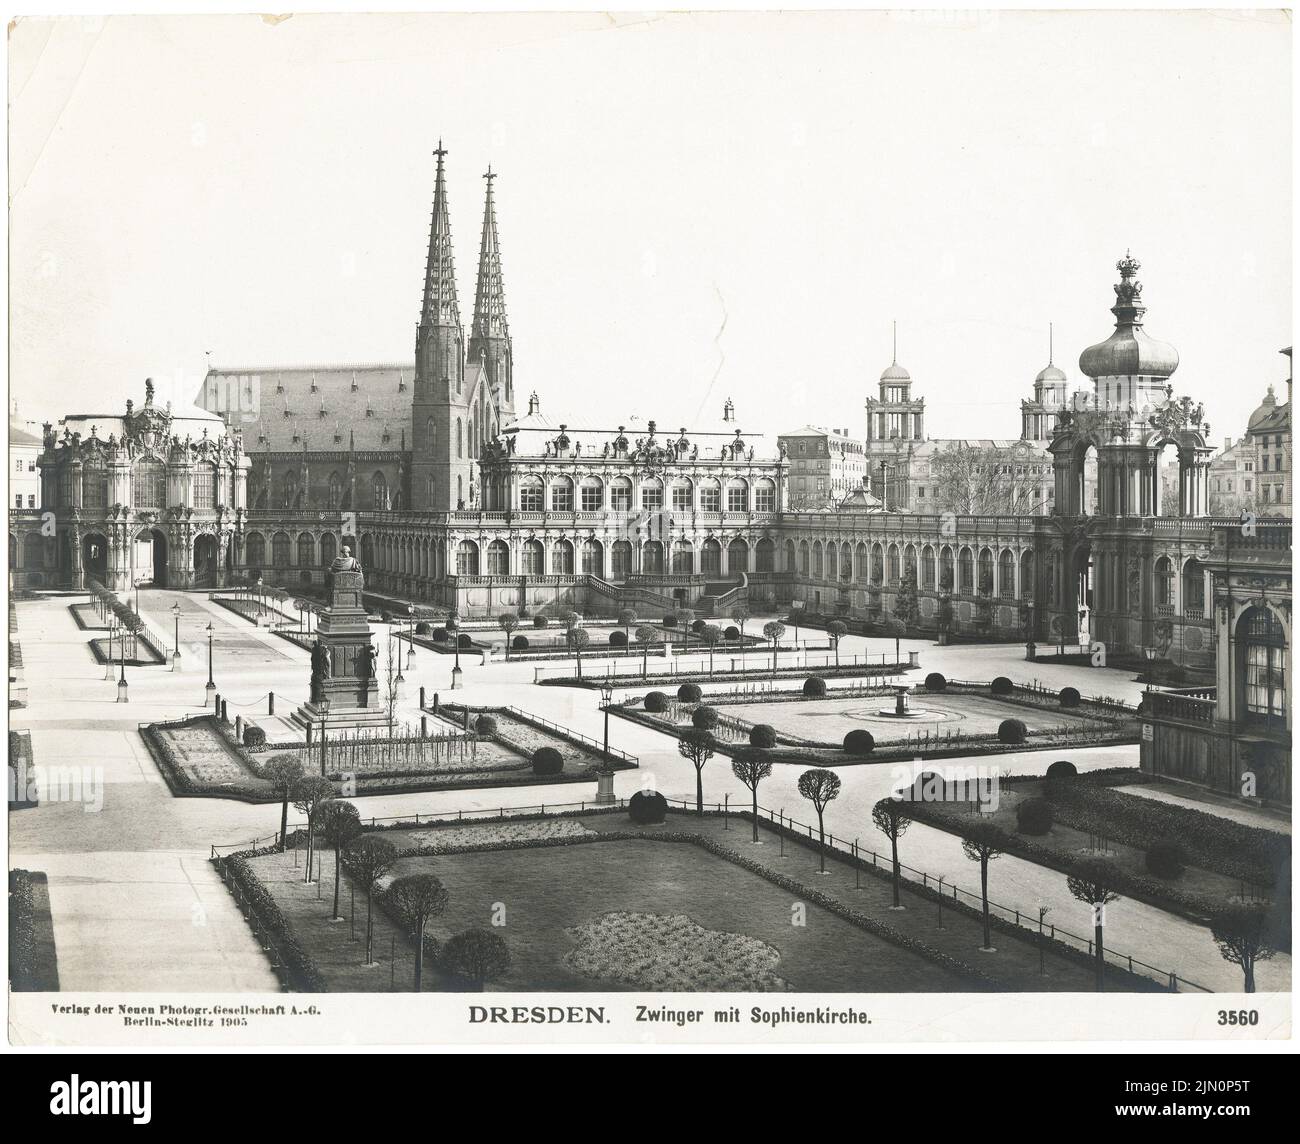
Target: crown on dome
x,y
1129,351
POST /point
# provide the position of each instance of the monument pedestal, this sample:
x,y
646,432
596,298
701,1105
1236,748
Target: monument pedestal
x,y
344,683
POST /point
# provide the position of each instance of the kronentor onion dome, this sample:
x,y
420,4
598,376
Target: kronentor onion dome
x,y
1129,352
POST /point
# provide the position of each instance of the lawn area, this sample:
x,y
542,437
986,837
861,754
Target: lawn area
x,y
829,720
627,915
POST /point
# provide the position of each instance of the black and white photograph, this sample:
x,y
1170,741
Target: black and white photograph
x,y
649,529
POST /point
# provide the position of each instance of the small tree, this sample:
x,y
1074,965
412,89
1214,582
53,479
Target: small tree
x,y
696,745
751,768
739,616
820,787
508,621
626,618
340,824
310,793
773,630
893,626
417,898
645,636
685,618
1091,883
392,679
892,820
370,857
982,842
283,773
1245,935
710,637
578,639
478,955
837,630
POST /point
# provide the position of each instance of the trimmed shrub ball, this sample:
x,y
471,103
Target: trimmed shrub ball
x,y
485,725
647,807
704,718
1061,769
519,643
386,616
547,761
1034,816
463,641
618,639
254,738
859,742
689,693
699,626
732,633
1069,697
422,628
439,635
814,685
670,621
1012,731
935,682
540,622
762,735
656,702
1166,858
1001,686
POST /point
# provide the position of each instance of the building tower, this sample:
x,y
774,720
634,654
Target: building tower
x,y
895,414
1038,414
440,457
489,339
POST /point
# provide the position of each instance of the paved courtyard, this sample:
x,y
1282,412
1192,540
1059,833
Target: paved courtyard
x,y
133,876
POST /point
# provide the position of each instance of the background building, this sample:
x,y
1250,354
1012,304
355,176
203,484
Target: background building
x,y
24,449
825,467
151,495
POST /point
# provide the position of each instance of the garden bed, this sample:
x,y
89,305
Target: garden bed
x,y
87,617
199,757
33,959
144,654
1091,820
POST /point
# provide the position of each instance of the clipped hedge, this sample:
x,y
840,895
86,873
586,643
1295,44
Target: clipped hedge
x,y
762,735
618,639
1069,697
704,718
254,737
935,682
859,742
463,641
547,761
1062,769
1001,686
1012,731
647,807
1034,816
540,621
814,687
422,628
519,643
485,725
656,702
732,632
690,693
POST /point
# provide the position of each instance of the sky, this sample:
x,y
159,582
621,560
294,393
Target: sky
x,y
691,207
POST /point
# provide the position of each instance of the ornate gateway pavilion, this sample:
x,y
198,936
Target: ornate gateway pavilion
x,y
152,495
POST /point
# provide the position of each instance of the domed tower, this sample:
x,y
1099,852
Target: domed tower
x,y
1038,414
895,415
1129,369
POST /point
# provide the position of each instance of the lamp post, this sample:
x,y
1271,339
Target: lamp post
x,y
400,677
1150,653
121,683
1029,630
211,687
605,772
176,638
455,667
261,608
324,706
410,654
108,663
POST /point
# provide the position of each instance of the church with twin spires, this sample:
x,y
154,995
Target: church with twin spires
x,y
375,437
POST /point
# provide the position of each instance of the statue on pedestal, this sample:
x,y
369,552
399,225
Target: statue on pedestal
x,y
345,562
320,670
